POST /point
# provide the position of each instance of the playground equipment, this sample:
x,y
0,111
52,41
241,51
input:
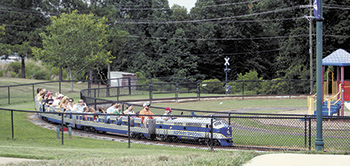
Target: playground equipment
x,y
331,104
334,103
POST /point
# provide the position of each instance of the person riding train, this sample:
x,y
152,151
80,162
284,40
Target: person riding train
x,y
145,111
168,112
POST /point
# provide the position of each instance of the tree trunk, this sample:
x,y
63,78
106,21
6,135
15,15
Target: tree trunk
x,y
60,75
90,77
23,65
71,80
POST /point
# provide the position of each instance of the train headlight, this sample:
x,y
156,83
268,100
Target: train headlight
x,y
228,132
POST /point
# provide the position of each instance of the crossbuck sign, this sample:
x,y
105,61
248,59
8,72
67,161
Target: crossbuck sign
x,y
226,59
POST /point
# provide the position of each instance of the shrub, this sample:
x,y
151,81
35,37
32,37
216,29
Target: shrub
x,y
34,70
251,83
274,87
15,67
12,74
213,86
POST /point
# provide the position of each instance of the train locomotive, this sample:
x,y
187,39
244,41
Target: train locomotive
x,y
176,130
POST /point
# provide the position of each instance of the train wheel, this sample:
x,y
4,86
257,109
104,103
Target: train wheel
x,y
168,139
138,136
163,138
207,141
86,128
153,137
93,130
175,139
216,143
142,136
101,132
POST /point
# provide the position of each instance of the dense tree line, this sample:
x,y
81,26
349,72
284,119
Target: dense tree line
x,y
270,37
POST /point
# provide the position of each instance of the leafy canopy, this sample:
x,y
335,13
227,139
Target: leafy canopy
x,y
75,41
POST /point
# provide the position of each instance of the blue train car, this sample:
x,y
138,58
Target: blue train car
x,y
196,129
180,129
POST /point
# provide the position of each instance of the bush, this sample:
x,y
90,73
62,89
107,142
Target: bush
x,y
34,70
252,83
13,74
15,67
274,87
212,86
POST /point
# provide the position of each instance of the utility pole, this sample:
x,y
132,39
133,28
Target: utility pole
x,y
319,144
311,66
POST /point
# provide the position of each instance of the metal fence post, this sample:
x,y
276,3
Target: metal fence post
x,y
211,134
243,90
33,92
229,119
118,93
108,85
150,91
305,131
128,130
58,132
62,128
94,93
8,95
12,127
95,100
176,92
129,83
289,88
198,90
98,86
309,133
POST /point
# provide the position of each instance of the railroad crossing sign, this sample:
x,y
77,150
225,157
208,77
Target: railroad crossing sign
x,y
228,88
226,59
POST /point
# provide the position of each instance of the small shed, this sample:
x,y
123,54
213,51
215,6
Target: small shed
x,y
119,78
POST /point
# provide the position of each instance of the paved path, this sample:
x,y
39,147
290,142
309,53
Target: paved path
x,y
8,160
286,159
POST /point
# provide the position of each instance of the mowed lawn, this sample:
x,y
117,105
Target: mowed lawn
x,y
35,142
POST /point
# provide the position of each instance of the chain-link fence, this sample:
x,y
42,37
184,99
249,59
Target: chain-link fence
x,y
148,89
13,94
213,131
129,88
293,132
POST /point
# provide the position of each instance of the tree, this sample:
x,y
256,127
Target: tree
x,y
76,42
23,22
2,32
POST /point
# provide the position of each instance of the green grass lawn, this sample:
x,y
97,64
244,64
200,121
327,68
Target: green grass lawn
x,y
35,142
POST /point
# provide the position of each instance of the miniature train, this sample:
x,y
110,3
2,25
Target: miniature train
x,y
176,130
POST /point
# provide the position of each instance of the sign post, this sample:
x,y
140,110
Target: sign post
x,y
226,70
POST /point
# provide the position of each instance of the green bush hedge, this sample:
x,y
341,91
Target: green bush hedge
x,y
212,86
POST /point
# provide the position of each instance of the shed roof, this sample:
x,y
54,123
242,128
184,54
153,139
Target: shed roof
x,y
339,57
